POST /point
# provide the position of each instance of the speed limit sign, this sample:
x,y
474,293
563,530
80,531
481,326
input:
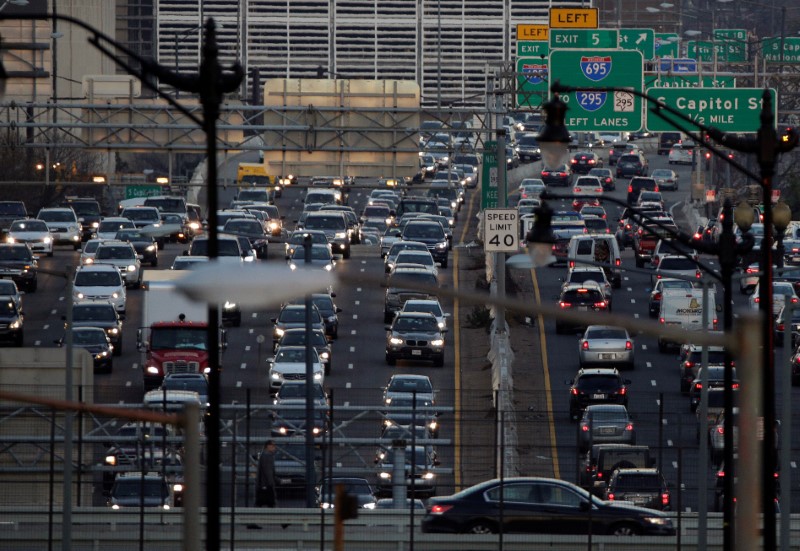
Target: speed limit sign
x,y
500,230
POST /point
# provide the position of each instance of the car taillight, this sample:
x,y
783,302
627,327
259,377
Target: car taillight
x,y
735,386
585,345
598,190
757,300
697,274
585,428
600,304
720,474
571,264
627,226
555,248
577,190
630,189
623,390
592,161
720,430
629,426
751,270
780,327
574,392
688,365
794,300
661,320
564,304
440,509
715,321
657,296
698,386
697,236
665,499
628,345
610,497
656,188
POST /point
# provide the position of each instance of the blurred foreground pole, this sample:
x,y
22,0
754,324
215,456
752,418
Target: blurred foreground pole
x,y
191,479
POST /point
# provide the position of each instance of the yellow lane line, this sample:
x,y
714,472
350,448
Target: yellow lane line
x,y
457,349
546,368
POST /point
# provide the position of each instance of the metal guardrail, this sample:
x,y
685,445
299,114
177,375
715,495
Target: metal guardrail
x,y
102,528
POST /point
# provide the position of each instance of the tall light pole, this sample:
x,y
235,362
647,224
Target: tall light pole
x,y
210,84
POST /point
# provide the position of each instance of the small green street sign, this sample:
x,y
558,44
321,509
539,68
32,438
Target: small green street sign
x,y
731,44
689,81
531,48
771,48
532,81
728,109
597,110
489,176
666,45
643,40
143,190
583,38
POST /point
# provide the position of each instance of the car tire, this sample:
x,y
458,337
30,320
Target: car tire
x,y
481,527
118,349
391,360
346,254
444,263
624,529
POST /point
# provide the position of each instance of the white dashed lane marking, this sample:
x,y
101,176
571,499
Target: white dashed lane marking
x,y
633,301
46,326
355,316
352,332
635,315
243,366
358,289
247,348
37,343
357,302
255,315
648,364
238,384
348,385
653,382
53,312
352,349
349,366
674,464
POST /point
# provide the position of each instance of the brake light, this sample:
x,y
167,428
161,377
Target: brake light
x,y
600,475
697,236
697,274
627,226
585,345
715,322
657,296
439,509
574,161
554,248
585,428
735,386
757,300
564,304
780,327
628,345
630,189
617,262
751,270
629,426
601,304
574,392
698,386
688,364
656,188
592,161
571,264
720,474
577,190
610,497
623,390
794,300
661,320
665,499
598,190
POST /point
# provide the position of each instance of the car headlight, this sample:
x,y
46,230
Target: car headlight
x,y
95,225
101,355
454,204
131,268
385,475
279,331
47,240
445,159
441,324
437,342
318,375
111,460
150,248
194,226
113,331
229,305
177,487
273,226
433,425
292,266
340,235
88,260
395,340
152,370
368,506
114,295
387,401
275,376
442,245
10,239
324,355
428,476
328,267
79,295
166,507
14,324
115,506
658,521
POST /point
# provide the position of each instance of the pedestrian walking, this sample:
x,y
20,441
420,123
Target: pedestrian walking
x,y
265,478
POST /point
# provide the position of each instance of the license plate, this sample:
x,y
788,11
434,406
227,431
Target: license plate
x,y
607,356
598,396
284,481
606,430
639,500
583,308
416,352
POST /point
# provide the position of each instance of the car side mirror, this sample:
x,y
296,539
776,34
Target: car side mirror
x,y
58,342
387,327
274,320
338,310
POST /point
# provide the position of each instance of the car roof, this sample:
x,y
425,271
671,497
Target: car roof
x,y
585,285
98,267
599,371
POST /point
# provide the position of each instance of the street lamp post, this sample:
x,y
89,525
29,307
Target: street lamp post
x,y
210,84
766,144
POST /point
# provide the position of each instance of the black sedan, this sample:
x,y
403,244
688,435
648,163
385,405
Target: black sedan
x,y
541,506
144,245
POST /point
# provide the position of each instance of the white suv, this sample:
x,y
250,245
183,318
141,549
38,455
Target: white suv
x,y
63,224
99,283
122,256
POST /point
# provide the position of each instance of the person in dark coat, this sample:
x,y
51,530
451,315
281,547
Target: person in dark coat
x,y
265,478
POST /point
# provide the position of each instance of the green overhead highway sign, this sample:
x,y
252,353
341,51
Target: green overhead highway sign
x,y
643,40
702,50
689,81
532,48
728,109
666,44
594,110
583,38
143,190
731,44
532,81
771,49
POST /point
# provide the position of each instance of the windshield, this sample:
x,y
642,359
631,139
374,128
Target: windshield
x,y
8,308
140,214
423,231
637,482
321,222
194,384
57,216
297,315
298,338
28,225
606,333
12,209
162,338
98,279
227,247
317,253
415,323
292,355
107,227
598,382
134,487
94,313
405,384
243,226
166,204
412,279
298,390
115,253
82,209
260,195
88,337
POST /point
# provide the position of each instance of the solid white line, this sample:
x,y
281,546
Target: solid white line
x,y
348,385
364,269
250,331
626,278
60,299
243,366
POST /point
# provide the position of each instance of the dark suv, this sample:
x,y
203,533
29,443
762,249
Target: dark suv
x,y
415,336
400,288
637,184
642,487
18,262
100,315
603,459
580,297
632,164
432,234
89,214
596,386
584,161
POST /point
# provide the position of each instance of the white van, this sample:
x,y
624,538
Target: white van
x,y
596,248
683,308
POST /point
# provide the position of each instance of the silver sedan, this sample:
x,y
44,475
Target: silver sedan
x,y
605,424
606,345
